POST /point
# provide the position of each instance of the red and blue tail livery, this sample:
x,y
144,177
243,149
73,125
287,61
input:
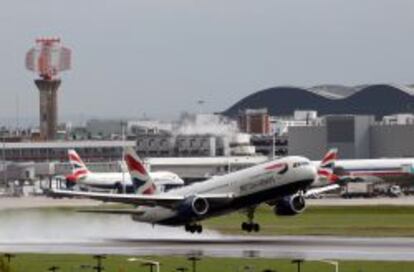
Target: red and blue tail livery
x,y
79,169
327,166
139,175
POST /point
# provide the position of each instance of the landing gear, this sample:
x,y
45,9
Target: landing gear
x,y
250,225
194,228
119,188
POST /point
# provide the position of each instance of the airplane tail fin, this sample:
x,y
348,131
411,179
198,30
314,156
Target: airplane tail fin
x,y
79,169
140,177
327,165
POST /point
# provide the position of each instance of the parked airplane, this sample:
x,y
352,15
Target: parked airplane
x,y
325,172
397,170
282,183
81,176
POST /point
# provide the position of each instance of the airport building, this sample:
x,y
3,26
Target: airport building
x,y
57,151
254,121
193,145
356,136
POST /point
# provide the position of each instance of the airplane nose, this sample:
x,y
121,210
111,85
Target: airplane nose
x,y
311,171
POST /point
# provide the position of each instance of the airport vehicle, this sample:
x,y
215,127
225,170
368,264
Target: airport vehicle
x,y
282,183
86,179
358,189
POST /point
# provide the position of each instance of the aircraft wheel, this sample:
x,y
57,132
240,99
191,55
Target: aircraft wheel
x,y
199,228
256,227
244,226
118,188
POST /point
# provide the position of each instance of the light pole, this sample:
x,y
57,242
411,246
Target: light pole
x,y
298,262
9,257
123,125
334,263
4,161
146,262
200,103
194,260
99,258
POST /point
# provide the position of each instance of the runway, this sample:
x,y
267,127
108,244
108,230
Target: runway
x,y
292,247
57,230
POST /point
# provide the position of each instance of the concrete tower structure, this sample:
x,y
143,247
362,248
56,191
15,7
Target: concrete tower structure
x,y
47,59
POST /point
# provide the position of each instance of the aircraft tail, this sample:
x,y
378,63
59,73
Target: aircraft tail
x,y
79,169
327,165
141,180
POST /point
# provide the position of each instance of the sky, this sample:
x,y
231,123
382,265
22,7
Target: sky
x,y
157,58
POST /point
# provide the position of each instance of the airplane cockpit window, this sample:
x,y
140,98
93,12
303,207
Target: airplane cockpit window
x,y
168,187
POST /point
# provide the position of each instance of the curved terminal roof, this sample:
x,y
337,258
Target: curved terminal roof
x,y
378,100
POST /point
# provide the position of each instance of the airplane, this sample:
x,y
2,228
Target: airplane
x,y
325,169
399,170
282,183
86,179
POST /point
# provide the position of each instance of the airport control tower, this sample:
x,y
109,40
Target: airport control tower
x,y
48,58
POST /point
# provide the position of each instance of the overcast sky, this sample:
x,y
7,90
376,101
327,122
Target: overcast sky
x,y
153,57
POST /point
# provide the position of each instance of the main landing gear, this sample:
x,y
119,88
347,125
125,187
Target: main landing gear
x,y
194,228
250,225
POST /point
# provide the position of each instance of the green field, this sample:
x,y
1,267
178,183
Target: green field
x,y
320,220
74,263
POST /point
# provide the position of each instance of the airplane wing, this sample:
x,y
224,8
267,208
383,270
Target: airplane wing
x,y
113,211
167,201
132,199
321,190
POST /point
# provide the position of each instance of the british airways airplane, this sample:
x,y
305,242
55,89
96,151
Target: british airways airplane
x,y
282,183
84,178
399,170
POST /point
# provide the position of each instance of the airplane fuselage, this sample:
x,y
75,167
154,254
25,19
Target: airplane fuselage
x,y
116,180
377,169
250,187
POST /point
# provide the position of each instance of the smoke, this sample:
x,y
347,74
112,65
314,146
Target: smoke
x,y
69,226
206,124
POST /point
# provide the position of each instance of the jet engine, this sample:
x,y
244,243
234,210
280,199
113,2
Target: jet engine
x,y
290,205
194,206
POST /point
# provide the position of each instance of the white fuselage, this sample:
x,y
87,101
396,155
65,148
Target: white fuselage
x,y
248,187
398,169
110,180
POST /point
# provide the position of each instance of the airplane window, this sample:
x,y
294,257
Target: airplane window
x,y
298,164
169,187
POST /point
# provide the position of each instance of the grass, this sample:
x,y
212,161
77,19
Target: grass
x,y
72,263
375,221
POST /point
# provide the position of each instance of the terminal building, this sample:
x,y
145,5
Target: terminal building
x,y
356,136
57,151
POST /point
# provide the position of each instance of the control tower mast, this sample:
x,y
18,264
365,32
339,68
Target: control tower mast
x,y
48,58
